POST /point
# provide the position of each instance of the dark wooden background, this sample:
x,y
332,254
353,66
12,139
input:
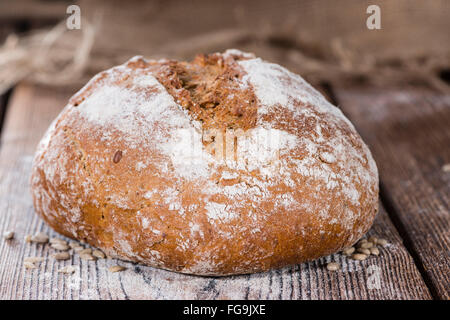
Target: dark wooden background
x,y
406,125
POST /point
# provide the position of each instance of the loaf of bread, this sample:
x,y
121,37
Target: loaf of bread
x,y
224,165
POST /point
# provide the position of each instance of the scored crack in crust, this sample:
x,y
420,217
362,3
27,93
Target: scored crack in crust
x,y
211,89
223,165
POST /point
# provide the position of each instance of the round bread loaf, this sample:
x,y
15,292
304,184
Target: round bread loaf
x,y
224,165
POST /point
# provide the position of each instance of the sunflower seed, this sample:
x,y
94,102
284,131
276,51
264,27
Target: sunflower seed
x,y
116,269
374,251
363,251
98,254
8,235
87,250
87,256
373,239
29,265
117,156
348,251
78,248
60,246
57,240
74,244
40,237
61,255
333,266
359,256
67,270
33,259
365,245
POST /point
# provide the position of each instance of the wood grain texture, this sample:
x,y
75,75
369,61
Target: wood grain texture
x,y
408,132
30,112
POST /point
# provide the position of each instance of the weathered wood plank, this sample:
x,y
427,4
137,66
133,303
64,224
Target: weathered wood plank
x,y
409,134
30,112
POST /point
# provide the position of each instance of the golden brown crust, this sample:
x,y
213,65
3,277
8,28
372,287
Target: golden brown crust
x,y
115,168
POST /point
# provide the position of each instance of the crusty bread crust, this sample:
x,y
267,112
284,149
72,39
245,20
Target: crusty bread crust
x,y
224,165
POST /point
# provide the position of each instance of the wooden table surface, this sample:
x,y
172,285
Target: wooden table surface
x,y
408,132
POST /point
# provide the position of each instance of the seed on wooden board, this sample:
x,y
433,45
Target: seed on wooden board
x,y
33,259
373,239
116,269
78,249
57,240
85,251
382,242
29,265
363,250
374,251
61,255
348,251
87,256
74,244
117,156
67,269
333,266
28,238
40,237
359,256
446,167
8,235
365,245
60,246
98,254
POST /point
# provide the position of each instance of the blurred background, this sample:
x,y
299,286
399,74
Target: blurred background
x,y
327,42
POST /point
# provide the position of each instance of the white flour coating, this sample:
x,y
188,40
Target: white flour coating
x,y
140,165
260,148
219,211
275,86
187,154
149,194
238,53
134,114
